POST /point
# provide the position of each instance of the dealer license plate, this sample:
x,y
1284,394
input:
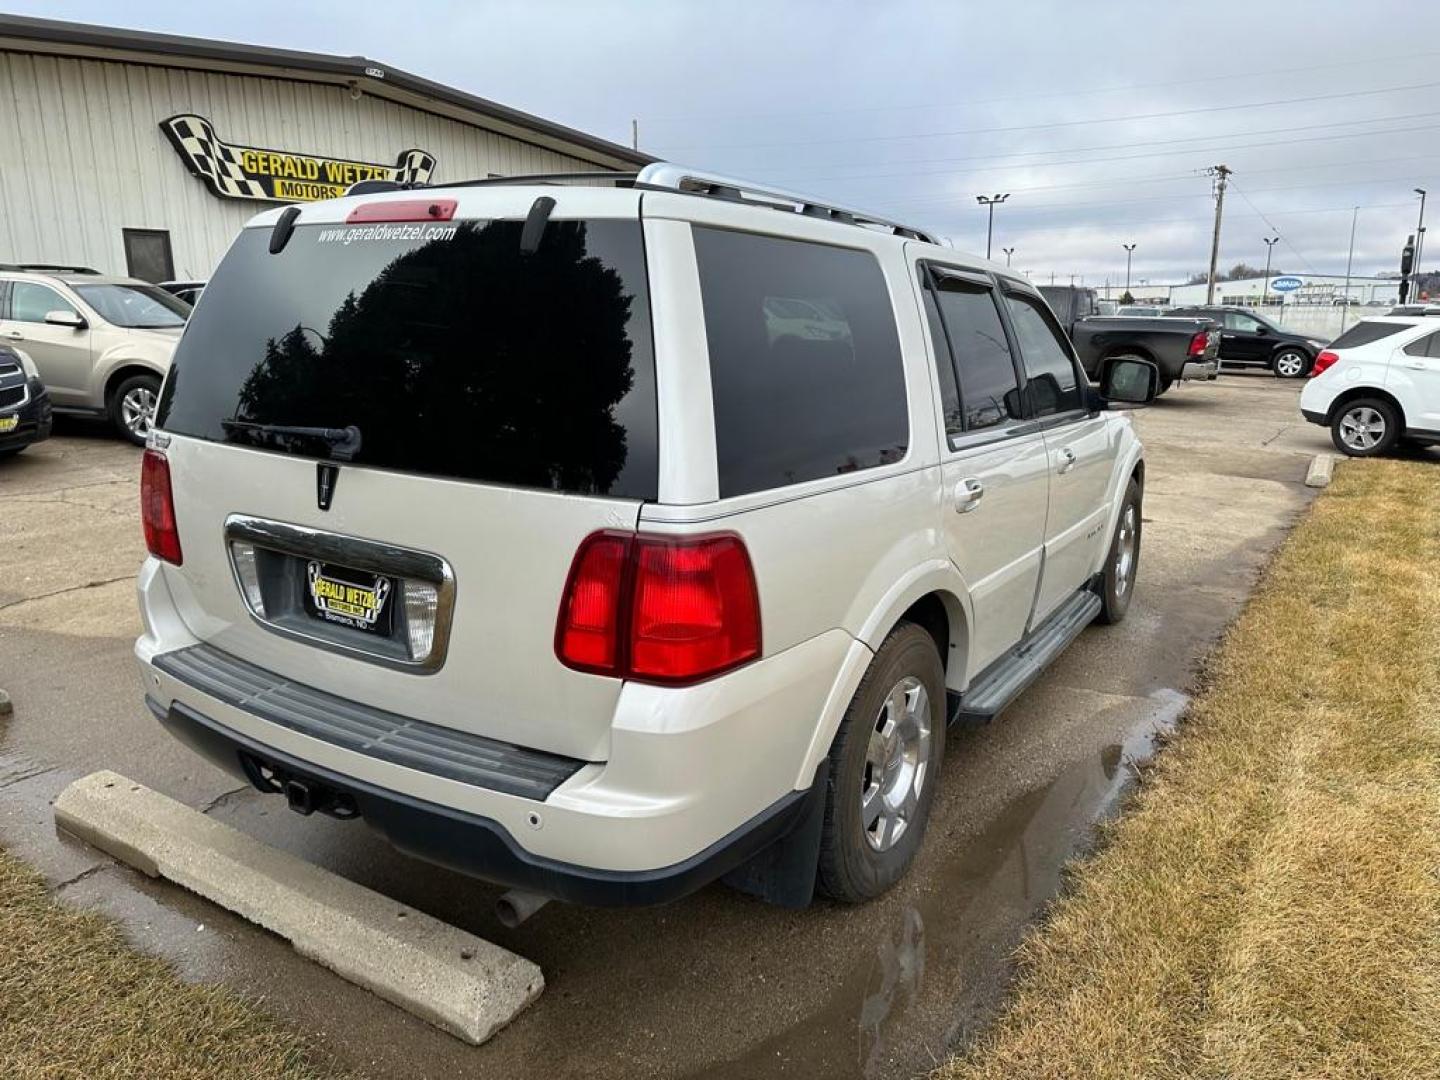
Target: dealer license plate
x,y
348,597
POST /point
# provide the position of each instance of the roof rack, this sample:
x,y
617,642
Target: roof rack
x,y
664,176
672,177
49,268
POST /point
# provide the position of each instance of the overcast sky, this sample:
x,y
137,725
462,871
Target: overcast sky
x,y
1098,118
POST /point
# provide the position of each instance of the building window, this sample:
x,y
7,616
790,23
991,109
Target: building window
x,y
147,254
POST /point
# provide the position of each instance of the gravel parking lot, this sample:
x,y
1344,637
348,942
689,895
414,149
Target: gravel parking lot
x,y
718,983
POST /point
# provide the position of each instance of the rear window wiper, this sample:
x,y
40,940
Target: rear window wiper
x,y
344,442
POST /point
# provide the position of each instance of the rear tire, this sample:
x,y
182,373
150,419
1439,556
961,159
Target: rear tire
x,y
132,407
1365,427
1123,561
1290,364
884,769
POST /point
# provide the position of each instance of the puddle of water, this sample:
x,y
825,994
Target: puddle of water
x,y
936,972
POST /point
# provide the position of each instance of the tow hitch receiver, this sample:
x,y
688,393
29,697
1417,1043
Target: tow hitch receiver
x,y
303,795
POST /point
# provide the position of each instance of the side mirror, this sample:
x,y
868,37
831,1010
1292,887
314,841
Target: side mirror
x,y
1128,380
1262,329
72,319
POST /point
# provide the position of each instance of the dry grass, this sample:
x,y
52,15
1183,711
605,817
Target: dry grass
x,y
77,1001
1270,904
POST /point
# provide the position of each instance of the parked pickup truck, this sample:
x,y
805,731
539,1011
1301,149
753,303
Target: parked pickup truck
x,y
1180,348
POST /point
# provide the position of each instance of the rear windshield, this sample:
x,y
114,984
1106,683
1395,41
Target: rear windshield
x,y
1363,333
453,353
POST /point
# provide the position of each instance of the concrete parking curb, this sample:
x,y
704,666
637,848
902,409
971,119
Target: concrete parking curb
x,y
1322,468
455,980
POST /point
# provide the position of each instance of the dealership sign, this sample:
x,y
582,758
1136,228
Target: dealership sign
x,y
1286,284
249,172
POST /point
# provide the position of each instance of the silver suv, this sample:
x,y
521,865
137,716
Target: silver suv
x,y
102,344
606,540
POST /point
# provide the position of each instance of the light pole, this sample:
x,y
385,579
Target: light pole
x,y
1270,242
1008,252
1419,232
990,201
1129,250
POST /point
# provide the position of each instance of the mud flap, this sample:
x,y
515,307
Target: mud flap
x,y
784,873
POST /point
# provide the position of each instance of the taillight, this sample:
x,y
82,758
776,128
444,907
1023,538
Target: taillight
x,y
157,508
1199,343
1325,360
659,609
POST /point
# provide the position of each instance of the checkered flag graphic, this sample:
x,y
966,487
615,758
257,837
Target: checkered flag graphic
x,y
414,167
212,159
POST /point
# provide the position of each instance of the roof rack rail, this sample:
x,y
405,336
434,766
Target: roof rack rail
x,y
50,268
673,177
663,175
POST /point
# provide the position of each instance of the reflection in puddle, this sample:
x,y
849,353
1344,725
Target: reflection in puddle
x,y
938,966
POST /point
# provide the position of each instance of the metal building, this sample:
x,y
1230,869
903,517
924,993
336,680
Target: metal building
x,y
144,153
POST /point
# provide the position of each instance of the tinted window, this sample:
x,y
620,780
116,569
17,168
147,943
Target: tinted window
x,y
981,354
1363,333
454,352
805,365
31,303
1429,345
1051,386
1244,323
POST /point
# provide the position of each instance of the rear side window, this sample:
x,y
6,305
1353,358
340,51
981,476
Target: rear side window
x,y
1051,382
981,352
454,352
1363,333
1429,345
31,303
805,365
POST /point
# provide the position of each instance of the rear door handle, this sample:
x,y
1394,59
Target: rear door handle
x,y
968,494
1067,460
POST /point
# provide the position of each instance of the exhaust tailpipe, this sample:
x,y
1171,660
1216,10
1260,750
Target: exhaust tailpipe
x,y
517,905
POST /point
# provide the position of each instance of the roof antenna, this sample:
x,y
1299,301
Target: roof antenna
x,y
284,227
535,223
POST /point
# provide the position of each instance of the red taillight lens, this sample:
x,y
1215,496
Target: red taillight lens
x,y
695,611
157,508
659,609
1199,343
1324,360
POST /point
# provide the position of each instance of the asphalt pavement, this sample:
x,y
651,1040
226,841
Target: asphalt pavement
x,y
718,984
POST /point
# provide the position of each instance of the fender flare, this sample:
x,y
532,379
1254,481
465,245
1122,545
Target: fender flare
x,y
1133,455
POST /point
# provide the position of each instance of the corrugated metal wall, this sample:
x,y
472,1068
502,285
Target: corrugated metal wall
x,y
82,155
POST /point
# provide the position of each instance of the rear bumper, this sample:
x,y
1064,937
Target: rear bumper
x,y
481,847
36,417
1200,369
695,779
1315,417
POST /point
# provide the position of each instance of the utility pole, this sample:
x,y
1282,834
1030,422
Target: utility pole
x,y
1420,233
1269,242
1008,252
1222,174
1129,250
634,134
1349,261
990,201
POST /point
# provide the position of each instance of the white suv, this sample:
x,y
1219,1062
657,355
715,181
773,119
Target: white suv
x,y
530,523
1378,384
102,344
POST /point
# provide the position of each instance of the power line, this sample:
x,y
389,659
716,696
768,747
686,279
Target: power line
x,y
1268,73
1070,123
1278,232
1208,150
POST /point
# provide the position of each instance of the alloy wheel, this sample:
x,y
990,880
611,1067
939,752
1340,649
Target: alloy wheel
x,y
137,410
1362,428
1289,365
897,761
1125,551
